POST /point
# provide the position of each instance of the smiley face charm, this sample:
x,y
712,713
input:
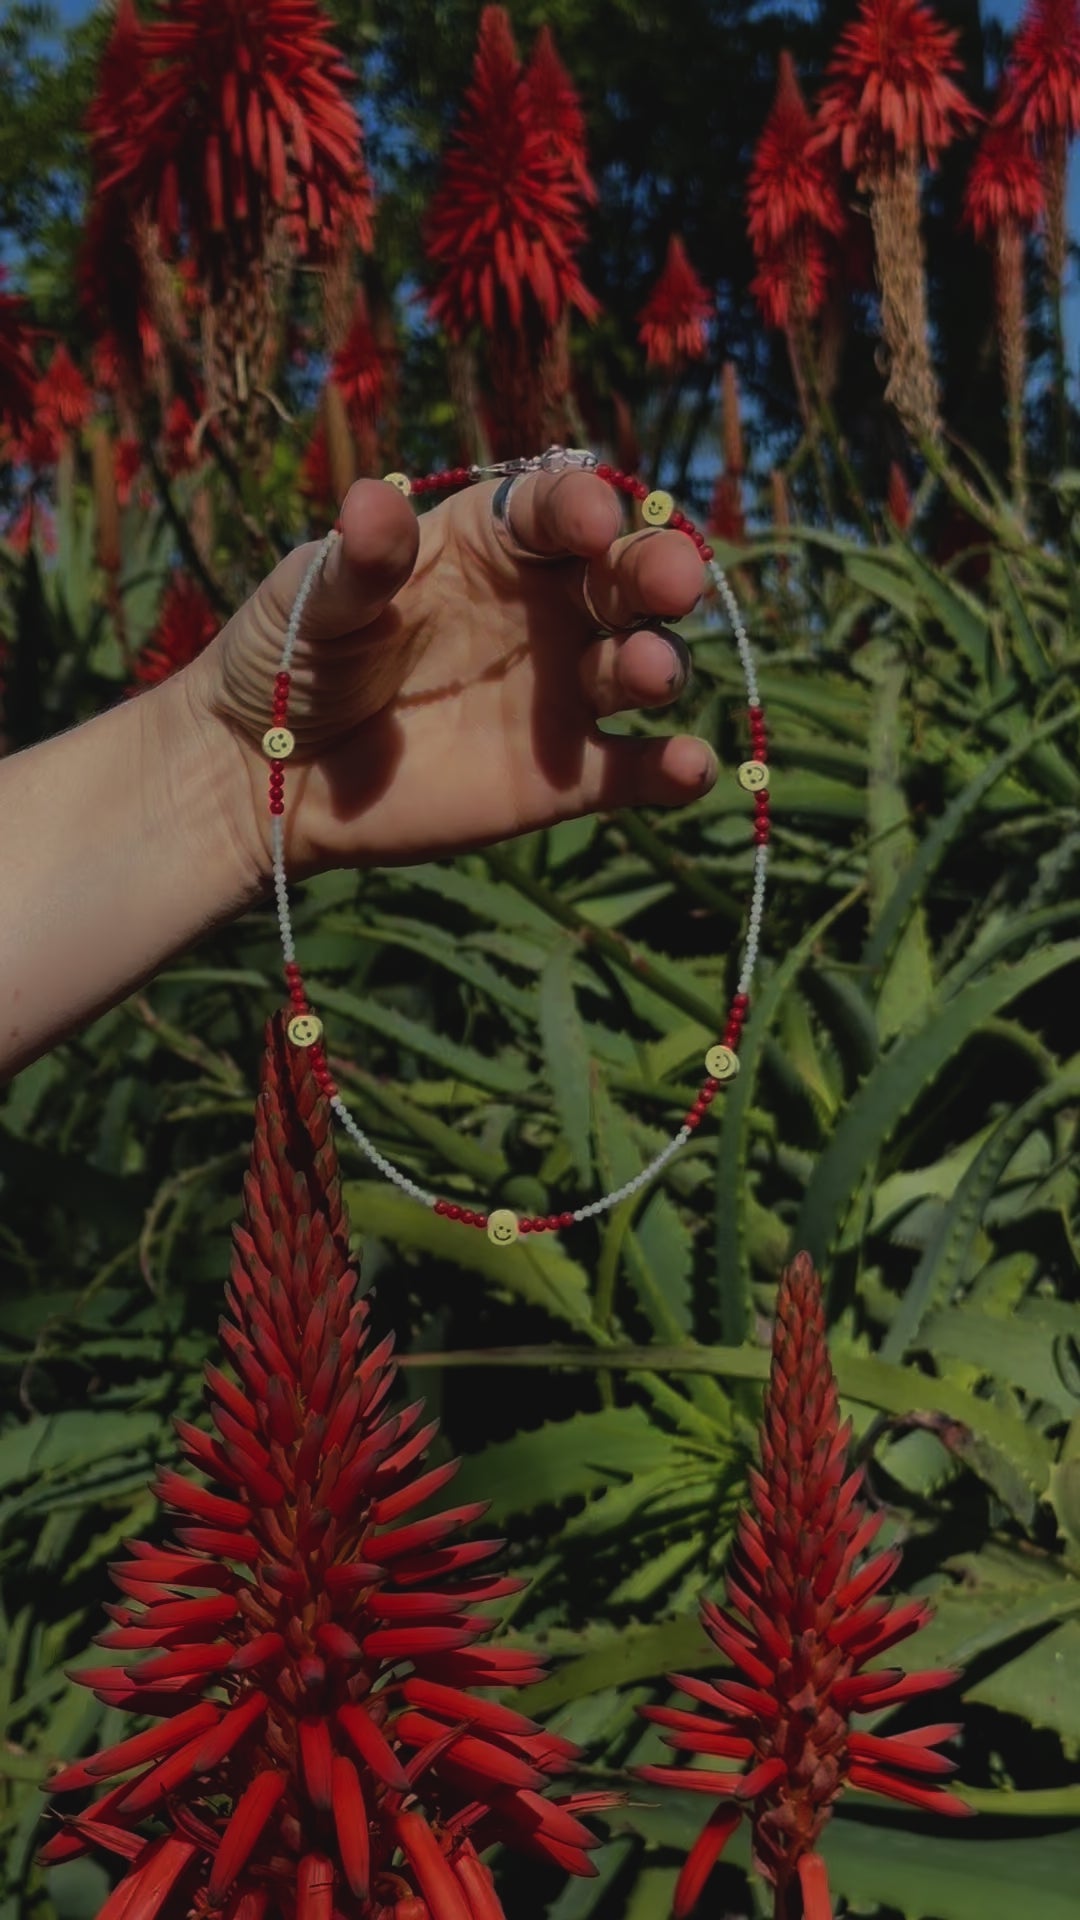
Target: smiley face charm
x,y
304,1029
657,508
721,1063
399,480
502,1227
753,776
278,743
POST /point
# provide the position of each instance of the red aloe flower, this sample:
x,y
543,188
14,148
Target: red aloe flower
x,y
1004,182
890,105
1003,198
727,516
359,366
1043,71
62,403
127,463
802,1622
503,228
790,286
18,373
63,397
33,521
791,185
794,210
177,433
319,1745
672,323
241,113
186,625
558,111
1042,96
898,497
119,80
315,480
112,283
890,91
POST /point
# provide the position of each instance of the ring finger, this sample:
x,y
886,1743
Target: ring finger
x,y
653,574
646,668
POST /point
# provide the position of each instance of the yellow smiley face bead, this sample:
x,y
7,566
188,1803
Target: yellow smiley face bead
x,y
399,480
657,508
502,1227
304,1029
721,1063
753,776
278,743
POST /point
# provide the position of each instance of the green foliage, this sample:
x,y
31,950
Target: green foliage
x,y
524,1027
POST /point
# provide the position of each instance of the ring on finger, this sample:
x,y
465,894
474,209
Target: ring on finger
x,y
607,626
504,526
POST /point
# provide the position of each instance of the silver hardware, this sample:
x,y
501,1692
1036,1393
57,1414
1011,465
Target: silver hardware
x,y
555,460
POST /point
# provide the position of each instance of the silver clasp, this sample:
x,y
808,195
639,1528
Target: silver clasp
x,y
557,458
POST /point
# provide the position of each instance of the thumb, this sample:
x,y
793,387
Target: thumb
x,y
364,569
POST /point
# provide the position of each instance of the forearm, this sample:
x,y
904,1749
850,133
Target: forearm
x,y
121,847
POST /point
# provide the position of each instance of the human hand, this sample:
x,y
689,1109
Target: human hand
x,y
445,694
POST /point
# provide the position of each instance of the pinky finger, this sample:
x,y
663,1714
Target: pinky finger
x,y
647,773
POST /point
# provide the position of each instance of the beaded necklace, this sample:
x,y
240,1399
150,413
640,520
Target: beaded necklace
x,y
502,1225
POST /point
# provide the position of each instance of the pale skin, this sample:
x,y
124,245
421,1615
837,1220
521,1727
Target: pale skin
x,y
445,695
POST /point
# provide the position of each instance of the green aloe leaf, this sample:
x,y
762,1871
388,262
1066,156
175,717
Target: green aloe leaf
x,y
1042,1686
414,1036
910,1069
567,1055
877,1858
623,1656
564,1459
535,1270
1018,1451
946,831
732,1175
945,1260
906,986
1020,1349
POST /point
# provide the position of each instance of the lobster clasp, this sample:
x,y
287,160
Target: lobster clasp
x,y
557,459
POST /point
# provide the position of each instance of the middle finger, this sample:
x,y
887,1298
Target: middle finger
x,y
652,573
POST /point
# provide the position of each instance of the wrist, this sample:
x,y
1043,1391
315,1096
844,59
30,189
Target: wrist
x,y
210,792
126,844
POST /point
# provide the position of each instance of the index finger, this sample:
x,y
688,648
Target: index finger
x,y
572,513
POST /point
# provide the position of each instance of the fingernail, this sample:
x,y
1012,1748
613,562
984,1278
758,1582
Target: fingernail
x,y
680,658
709,770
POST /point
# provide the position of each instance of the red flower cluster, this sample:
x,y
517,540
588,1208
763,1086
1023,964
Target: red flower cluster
x,y
1042,78
558,111
320,1743
793,207
672,323
727,516
360,367
315,479
18,373
64,401
178,443
804,1618
112,283
60,404
186,626
890,92
238,111
504,226
1004,183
